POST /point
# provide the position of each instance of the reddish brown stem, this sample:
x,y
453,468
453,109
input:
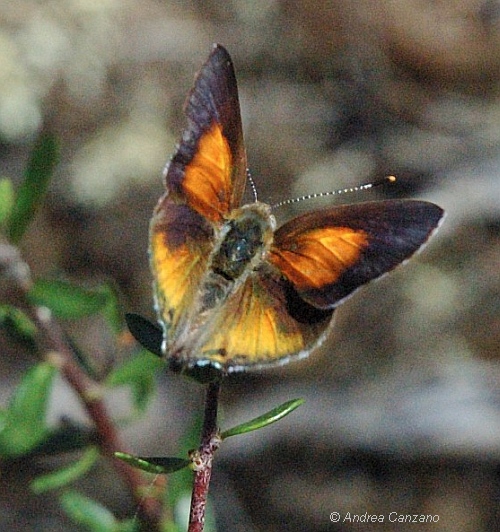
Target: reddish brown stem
x,y
90,395
202,459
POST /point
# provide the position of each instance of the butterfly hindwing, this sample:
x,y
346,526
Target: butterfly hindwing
x,y
180,244
263,322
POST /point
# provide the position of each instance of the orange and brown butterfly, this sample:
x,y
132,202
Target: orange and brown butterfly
x,y
234,293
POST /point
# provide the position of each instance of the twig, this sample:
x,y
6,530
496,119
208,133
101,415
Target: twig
x,y
61,355
202,459
108,439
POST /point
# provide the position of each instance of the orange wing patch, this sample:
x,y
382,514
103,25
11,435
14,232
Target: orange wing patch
x,y
180,244
255,327
172,271
316,258
207,181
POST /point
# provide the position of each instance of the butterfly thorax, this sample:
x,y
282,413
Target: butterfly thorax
x,y
241,245
243,240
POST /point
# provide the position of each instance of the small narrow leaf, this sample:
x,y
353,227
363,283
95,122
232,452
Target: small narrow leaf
x,y
157,465
17,324
88,513
66,300
34,186
24,424
69,474
148,334
7,197
266,419
169,464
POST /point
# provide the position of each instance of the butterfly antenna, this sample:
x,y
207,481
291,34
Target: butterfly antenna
x,y
252,185
366,186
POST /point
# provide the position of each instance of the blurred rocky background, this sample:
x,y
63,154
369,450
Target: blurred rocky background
x,y
402,411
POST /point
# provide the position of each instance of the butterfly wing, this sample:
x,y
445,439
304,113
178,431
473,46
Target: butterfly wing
x,y
327,255
205,180
284,308
264,322
208,171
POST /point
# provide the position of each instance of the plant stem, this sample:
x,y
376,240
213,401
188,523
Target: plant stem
x,y
89,392
202,459
90,395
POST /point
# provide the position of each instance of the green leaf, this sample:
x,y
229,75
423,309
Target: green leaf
x,y
266,419
139,373
24,424
34,186
88,513
148,334
112,310
66,300
68,437
158,465
17,324
7,198
64,476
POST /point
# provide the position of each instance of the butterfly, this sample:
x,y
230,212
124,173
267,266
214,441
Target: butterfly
x,y
232,291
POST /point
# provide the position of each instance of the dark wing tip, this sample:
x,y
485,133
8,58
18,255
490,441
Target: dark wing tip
x,y
217,47
219,54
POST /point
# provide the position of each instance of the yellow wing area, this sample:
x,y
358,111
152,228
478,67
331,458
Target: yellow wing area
x,y
172,271
254,327
180,244
317,257
207,182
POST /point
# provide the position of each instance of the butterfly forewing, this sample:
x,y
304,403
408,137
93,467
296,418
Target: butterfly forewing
x,y
208,171
328,254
